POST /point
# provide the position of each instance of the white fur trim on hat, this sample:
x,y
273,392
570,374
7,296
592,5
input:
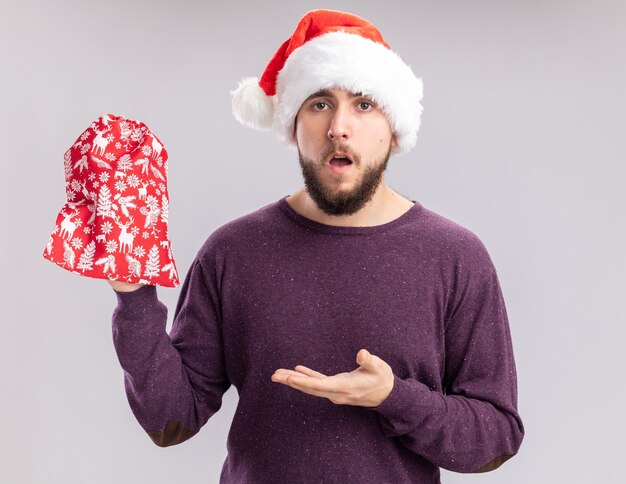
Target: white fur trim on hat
x,y
352,62
251,106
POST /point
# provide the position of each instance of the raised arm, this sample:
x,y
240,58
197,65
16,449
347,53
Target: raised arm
x,y
174,383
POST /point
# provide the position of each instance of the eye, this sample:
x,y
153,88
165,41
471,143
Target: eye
x,y
365,106
319,105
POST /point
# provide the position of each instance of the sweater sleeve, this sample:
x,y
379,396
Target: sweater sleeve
x,y
174,383
473,425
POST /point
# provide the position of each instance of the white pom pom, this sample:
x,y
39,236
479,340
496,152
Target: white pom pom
x,y
251,106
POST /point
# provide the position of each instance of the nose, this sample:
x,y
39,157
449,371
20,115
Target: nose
x,y
340,126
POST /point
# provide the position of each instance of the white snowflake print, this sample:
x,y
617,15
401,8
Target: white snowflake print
x,y
146,150
110,137
134,231
78,222
55,229
76,243
159,161
91,176
84,136
152,202
120,186
139,251
107,227
87,230
133,181
111,246
145,235
152,183
158,192
104,177
96,184
76,185
162,187
71,196
85,148
118,146
110,156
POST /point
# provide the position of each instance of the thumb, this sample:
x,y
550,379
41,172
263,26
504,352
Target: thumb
x,y
363,357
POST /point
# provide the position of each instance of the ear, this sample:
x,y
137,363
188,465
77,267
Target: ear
x,y
394,141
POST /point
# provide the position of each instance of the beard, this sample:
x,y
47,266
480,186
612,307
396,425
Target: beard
x,y
341,202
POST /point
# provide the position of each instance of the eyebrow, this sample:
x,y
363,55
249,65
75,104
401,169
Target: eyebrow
x,y
327,93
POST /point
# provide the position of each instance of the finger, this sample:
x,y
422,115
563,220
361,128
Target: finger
x,y
296,380
281,374
303,384
328,386
309,371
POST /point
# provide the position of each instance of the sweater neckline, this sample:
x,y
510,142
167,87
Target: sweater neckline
x,y
303,221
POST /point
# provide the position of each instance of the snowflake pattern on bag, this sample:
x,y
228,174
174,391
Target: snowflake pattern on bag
x,y
114,224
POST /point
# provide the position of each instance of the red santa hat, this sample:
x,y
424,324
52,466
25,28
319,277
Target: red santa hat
x,y
331,49
114,223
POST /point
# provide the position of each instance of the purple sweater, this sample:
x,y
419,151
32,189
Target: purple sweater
x,y
274,289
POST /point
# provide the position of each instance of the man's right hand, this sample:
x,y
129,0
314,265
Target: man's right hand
x,y
124,286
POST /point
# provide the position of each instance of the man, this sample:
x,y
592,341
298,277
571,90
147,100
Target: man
x,y
366,335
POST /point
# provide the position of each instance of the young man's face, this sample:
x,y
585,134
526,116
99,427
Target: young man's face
x,y
344,141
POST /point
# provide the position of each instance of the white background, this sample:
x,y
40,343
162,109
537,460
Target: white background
x,y
522,142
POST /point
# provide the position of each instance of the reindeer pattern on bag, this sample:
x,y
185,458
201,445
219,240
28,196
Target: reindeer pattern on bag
x,y
114,224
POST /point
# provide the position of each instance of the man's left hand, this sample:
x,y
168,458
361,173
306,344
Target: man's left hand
x,y
367,386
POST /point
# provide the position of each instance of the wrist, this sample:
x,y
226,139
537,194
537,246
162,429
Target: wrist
x,y
124,286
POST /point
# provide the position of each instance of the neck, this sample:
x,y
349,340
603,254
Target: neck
x,y
386,205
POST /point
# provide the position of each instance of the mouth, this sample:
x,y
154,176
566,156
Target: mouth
x,y
339,161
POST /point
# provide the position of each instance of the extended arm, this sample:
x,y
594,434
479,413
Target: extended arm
x,y
174,383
